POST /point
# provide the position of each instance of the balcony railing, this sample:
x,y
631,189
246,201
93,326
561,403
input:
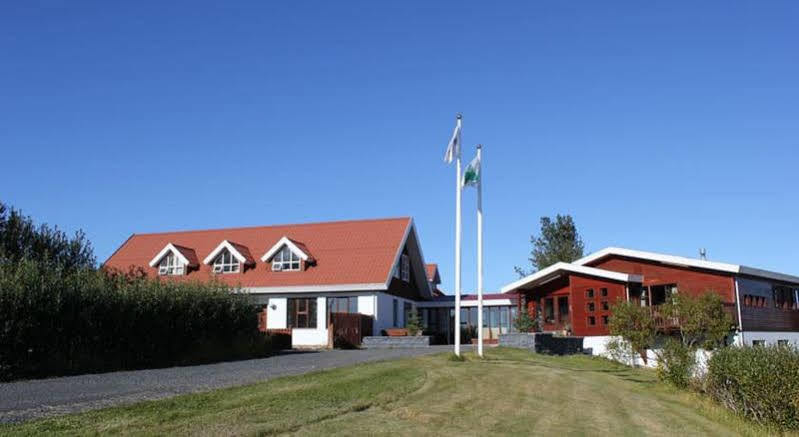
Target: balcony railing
x,y
665,323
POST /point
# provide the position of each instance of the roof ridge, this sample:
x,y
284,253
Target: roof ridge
x,y
332,222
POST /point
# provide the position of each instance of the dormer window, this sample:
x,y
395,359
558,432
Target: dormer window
x,y
285,260
287,255
170,265
174,260
225,262
229,257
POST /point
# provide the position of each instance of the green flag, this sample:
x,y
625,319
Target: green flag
x,y
471,176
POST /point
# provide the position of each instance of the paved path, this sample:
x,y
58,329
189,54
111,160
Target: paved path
x,y
24,400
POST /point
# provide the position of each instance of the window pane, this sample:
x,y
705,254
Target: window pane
x,y
353,301
312,312
549,310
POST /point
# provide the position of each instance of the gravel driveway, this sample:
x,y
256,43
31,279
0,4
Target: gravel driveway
x,y
24,400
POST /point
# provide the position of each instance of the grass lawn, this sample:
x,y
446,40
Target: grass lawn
x,y
510,392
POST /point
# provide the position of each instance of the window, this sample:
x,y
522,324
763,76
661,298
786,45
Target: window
x,y
170,265
751,300
591,321
589,293
285,260
301,312
604,320
563,308
758,343
406,268
396,313
406,311
549,310
225,262
603,292
514,312
605,306
342,304
784,297
782,342
590,307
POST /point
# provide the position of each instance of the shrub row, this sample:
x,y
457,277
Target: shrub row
x,y
760,383
57,323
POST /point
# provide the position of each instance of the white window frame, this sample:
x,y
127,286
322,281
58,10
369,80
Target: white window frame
x,y
406,267
226,263
170,265
281,264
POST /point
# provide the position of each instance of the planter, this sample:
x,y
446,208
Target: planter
x,y
397,332
543,342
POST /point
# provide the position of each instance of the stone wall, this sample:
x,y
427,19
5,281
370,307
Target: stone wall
x,y
385,342
544,343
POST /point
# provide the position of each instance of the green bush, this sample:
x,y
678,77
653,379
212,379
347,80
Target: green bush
x,y
635,325
54,322
760,383
676,363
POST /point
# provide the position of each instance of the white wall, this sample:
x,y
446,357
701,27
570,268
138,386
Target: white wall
x,y
310,337
366,305
276,318
384,318
770,337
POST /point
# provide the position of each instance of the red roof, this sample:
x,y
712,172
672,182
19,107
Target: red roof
x,y
346,252
189,253
432,271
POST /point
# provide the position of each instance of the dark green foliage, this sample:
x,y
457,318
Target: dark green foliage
x,y
56,323
21,239
760,383
523,322
558,241
413,324
703,322
635,325
676,363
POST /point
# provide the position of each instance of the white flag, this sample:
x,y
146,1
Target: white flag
x,y
454,147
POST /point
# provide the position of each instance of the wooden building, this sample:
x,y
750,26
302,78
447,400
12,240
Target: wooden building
x,y
577,297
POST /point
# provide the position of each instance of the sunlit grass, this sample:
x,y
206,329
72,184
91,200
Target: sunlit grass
x,y
508,392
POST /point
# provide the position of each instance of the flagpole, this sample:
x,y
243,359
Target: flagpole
x,y
480,253
458,193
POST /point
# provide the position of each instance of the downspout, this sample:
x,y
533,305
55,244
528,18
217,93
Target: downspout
x,y
738,307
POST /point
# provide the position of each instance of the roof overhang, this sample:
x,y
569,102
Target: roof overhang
x,y
378,286
169,248
225,244
556,270
682,261
285,241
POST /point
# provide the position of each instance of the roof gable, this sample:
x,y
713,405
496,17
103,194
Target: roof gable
x,y
186,255
298,248
240,252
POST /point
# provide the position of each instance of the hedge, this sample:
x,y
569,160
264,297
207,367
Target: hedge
x,y
760,383
56,323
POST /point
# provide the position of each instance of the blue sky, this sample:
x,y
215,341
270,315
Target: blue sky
x,y
663,127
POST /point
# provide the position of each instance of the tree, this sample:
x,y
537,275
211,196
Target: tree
x,y
635,325
558,241
702,320
523,322
413,324
21,239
